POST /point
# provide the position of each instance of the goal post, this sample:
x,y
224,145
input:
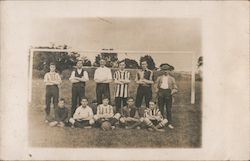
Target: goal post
x,y
191,53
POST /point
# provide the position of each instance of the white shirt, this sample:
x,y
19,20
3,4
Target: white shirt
x,y
102,74
164,84
83,113
85,74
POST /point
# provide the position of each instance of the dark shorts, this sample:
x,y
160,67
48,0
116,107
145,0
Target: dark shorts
x,y
82,123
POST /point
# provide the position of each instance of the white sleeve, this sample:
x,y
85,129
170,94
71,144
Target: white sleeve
x,y
46,78
109,74
75,116
72,75
96,74
85,75
91,114
59,78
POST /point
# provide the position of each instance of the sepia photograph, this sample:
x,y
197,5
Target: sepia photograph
x,y
124,80
116,83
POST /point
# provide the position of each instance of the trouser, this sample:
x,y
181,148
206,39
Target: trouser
x,y
143,91
52,91
78,92
119,103
165,99
125,121
102,91
82,123
161,123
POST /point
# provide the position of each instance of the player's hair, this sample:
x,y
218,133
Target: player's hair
x,y
102,59
52,63
105,98
144,60
84,98
62,99
153,101
79,61
122,61
130,98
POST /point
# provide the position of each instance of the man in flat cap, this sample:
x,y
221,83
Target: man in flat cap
x,y
166,88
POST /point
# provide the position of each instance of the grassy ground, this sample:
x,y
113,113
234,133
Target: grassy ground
x,y
186,119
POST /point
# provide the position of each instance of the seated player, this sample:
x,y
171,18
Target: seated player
x,y
153,118
83,116
105,113
128,118
61,114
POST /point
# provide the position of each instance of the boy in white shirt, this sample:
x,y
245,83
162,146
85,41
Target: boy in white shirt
x,y
83,116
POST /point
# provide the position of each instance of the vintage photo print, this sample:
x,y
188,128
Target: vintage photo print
x,y
141,80
116,83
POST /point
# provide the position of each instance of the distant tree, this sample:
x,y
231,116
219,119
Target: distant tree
x,y
150,61
131,64
63,60
111,59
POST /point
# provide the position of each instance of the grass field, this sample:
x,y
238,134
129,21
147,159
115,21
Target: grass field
x,y
186,119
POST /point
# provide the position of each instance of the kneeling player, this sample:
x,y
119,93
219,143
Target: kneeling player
x,y
105,113
83,116
128,115
153,118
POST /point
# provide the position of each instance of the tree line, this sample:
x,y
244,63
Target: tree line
x,y
65,60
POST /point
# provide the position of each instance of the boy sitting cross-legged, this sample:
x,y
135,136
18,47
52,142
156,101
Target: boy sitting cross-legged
x,y
128,118
105,113
83,116
153,118
61,114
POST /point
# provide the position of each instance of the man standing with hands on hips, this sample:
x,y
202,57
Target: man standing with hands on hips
x,y
166,88
78,78
102,77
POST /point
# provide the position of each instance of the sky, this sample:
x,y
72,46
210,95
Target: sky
x,y
126,34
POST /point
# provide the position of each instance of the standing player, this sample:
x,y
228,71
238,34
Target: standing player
x,y
83,116
78,78
153,118
144,78
128,118
105,113
166,88
102,77
52,79
121,79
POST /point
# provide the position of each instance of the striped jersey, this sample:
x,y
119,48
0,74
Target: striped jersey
x,y
52,76
121,90
152,112
101,109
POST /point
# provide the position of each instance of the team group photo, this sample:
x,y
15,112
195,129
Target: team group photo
x,y
115,83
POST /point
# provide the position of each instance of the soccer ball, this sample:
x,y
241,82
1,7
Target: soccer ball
x,y
106,126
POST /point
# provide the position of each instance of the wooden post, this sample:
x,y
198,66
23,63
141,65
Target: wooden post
x,y
193,79
31,52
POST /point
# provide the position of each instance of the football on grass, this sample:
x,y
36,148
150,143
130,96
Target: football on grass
x,y
106,126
